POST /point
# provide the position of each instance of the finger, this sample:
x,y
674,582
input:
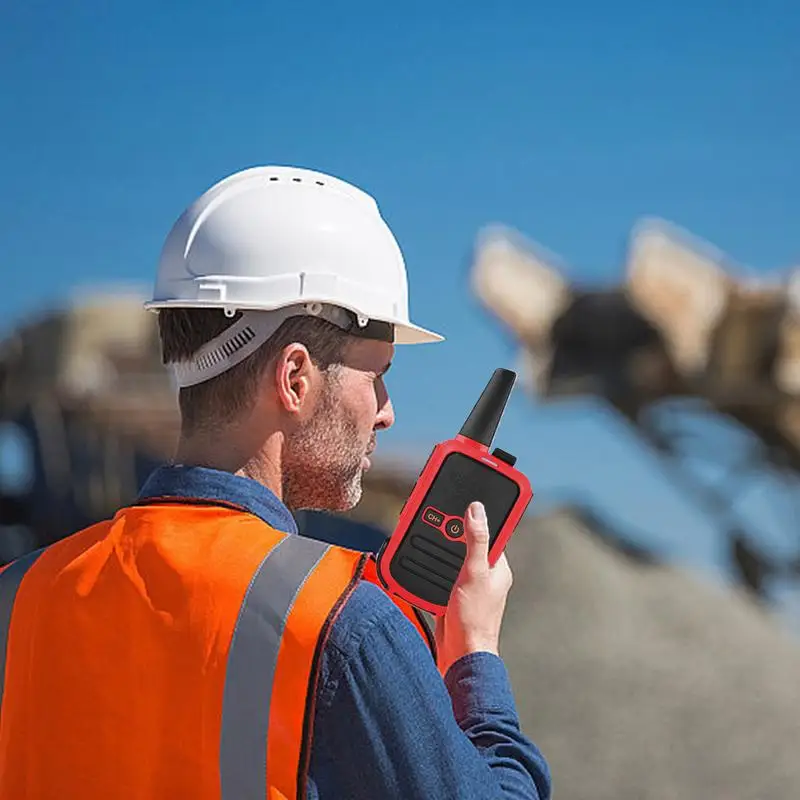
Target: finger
x,y
476,533
438,639
438,630
500,562
503,569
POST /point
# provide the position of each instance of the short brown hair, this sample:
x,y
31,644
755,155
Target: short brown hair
x,y
184,331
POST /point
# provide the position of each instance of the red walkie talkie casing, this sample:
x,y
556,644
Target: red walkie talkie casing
x,y
422,558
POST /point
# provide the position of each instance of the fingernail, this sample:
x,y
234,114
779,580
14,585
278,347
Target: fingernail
x,y
477,512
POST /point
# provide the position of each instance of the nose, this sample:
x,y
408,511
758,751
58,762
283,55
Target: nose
x,y
385,416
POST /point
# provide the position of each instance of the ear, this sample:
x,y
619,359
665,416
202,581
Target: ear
x,y
294,375
680,285
516,280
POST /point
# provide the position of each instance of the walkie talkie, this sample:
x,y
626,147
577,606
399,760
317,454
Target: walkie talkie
x,y
421,560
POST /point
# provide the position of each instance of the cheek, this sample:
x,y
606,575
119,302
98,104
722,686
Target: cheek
x,y
365,407
355,406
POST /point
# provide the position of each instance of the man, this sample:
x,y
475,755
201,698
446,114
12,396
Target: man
x,y
195,645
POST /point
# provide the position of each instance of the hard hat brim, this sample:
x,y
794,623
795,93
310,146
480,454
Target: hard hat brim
x,y
404,332
408,333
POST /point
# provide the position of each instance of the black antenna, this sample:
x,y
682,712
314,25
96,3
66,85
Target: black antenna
x,y
484,418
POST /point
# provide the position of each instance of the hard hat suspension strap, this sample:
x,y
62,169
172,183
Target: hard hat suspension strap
x,y
254,328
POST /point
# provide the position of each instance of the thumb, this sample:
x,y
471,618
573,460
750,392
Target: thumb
x,y
476,533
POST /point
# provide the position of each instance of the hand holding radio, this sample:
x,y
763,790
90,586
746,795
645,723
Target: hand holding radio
x,y
472,621
422,559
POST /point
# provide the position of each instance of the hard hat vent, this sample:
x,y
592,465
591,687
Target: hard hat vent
x,y
226,349
276,178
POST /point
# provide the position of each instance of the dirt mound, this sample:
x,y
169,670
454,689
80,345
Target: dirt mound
x,y
640,681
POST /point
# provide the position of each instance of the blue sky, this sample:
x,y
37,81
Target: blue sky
x,y
568,121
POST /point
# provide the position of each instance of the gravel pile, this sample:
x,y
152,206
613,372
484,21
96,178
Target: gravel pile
x,y
641,682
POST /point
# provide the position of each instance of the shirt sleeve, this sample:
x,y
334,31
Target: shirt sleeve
x,y
388,726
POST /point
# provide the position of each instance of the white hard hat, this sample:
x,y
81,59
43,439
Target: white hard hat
x,y
288,241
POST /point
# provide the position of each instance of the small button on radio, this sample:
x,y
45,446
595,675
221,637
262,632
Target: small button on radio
x,y
454,528
433,517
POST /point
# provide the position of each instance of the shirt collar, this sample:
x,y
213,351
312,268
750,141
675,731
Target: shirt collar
x,y
204,483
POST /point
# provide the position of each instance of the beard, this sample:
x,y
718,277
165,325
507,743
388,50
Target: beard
x,y
322,464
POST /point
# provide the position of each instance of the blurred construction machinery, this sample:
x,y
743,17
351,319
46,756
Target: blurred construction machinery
x,y
86,410
699,357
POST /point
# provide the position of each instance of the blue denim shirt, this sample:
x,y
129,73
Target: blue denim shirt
x,y
386,724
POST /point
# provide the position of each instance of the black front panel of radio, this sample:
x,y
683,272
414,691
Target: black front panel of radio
x,y
429,559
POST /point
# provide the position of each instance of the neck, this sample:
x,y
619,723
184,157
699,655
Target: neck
x,y
229,450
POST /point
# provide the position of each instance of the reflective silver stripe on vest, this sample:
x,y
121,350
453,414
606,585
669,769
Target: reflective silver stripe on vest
x,y
9,583
252,660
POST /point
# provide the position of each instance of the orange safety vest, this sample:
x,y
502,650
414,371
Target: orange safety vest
x,y
170,652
